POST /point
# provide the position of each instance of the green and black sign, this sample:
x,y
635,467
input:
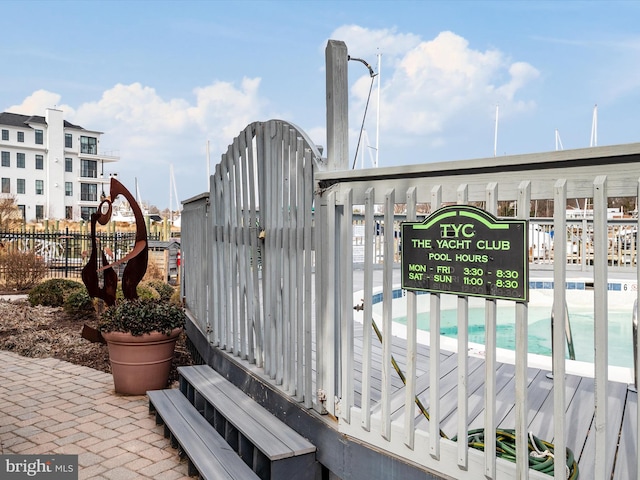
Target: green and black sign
x,y
464,250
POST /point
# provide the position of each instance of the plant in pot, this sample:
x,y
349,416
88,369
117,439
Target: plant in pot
x,y
141,333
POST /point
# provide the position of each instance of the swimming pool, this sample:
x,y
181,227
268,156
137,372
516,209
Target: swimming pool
x,y
579,305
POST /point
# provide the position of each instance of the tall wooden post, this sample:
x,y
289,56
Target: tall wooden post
x,y
328,239
337,106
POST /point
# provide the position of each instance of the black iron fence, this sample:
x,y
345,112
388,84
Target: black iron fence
x,y
66,252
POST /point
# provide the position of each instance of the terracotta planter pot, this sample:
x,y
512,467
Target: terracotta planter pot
x,y
140,363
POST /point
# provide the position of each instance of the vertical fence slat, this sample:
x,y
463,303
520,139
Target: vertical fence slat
x,y
369,201
270,256
328,319
239,280
226,283
285,212
434,354
490,360
600,320
346,314
558,328
250,239
387,312
522,355
262,156
463,359
301,206
292,207
308,321
280,270
211,249
219,286
412,342
246,291
231,258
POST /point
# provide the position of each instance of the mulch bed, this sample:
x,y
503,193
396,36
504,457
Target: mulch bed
x,y
42,332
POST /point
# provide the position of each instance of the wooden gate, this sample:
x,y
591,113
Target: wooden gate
x,y
254,300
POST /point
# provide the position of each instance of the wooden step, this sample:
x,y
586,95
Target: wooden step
x,y
209,454
270,447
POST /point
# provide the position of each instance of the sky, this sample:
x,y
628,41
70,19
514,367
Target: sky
x,y
162,79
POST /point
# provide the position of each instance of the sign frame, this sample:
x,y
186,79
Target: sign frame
x,y
466,251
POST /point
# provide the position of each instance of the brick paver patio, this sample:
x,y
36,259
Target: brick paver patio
x,y
49,406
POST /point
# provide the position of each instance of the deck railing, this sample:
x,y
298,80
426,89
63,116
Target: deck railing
x,y
595,246
273,253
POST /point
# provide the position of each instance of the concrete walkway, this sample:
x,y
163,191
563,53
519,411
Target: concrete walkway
x,y
49,406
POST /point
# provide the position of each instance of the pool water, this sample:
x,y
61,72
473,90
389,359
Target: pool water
x,y
620,331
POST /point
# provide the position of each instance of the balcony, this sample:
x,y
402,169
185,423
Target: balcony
x,y
92,154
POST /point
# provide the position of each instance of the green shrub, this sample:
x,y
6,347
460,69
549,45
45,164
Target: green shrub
x,y
142,316
79,304
22,270
53,292
143,289
164,289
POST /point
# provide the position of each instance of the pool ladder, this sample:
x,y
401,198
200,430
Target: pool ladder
x,y
568,334
572,355
567,328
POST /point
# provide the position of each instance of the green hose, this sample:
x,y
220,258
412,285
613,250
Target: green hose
x,y
541,453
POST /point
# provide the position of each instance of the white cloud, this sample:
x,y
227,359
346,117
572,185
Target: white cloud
x,y
366,43
150,132
430,87
38,102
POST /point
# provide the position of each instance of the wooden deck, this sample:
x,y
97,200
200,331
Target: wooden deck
x,y
580,435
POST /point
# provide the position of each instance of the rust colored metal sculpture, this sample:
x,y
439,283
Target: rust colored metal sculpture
x,y
101,279
136,260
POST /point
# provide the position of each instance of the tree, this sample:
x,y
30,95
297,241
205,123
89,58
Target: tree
x,y
9,212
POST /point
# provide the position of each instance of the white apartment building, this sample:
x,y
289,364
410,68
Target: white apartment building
x,y
52,167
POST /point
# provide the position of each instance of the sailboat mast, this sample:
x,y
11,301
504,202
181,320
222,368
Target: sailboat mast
x,y
208,166
378,113
594,127
558,141
495,136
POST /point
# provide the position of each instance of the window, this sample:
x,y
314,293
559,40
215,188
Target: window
x,y
68,189
89,168
68,213
89,145
21,137
39,187
89,192
20,160
20,185
68,164
6,159
85,212
5,134
23,210
39,212
68,140
39,137
6,185
39,162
